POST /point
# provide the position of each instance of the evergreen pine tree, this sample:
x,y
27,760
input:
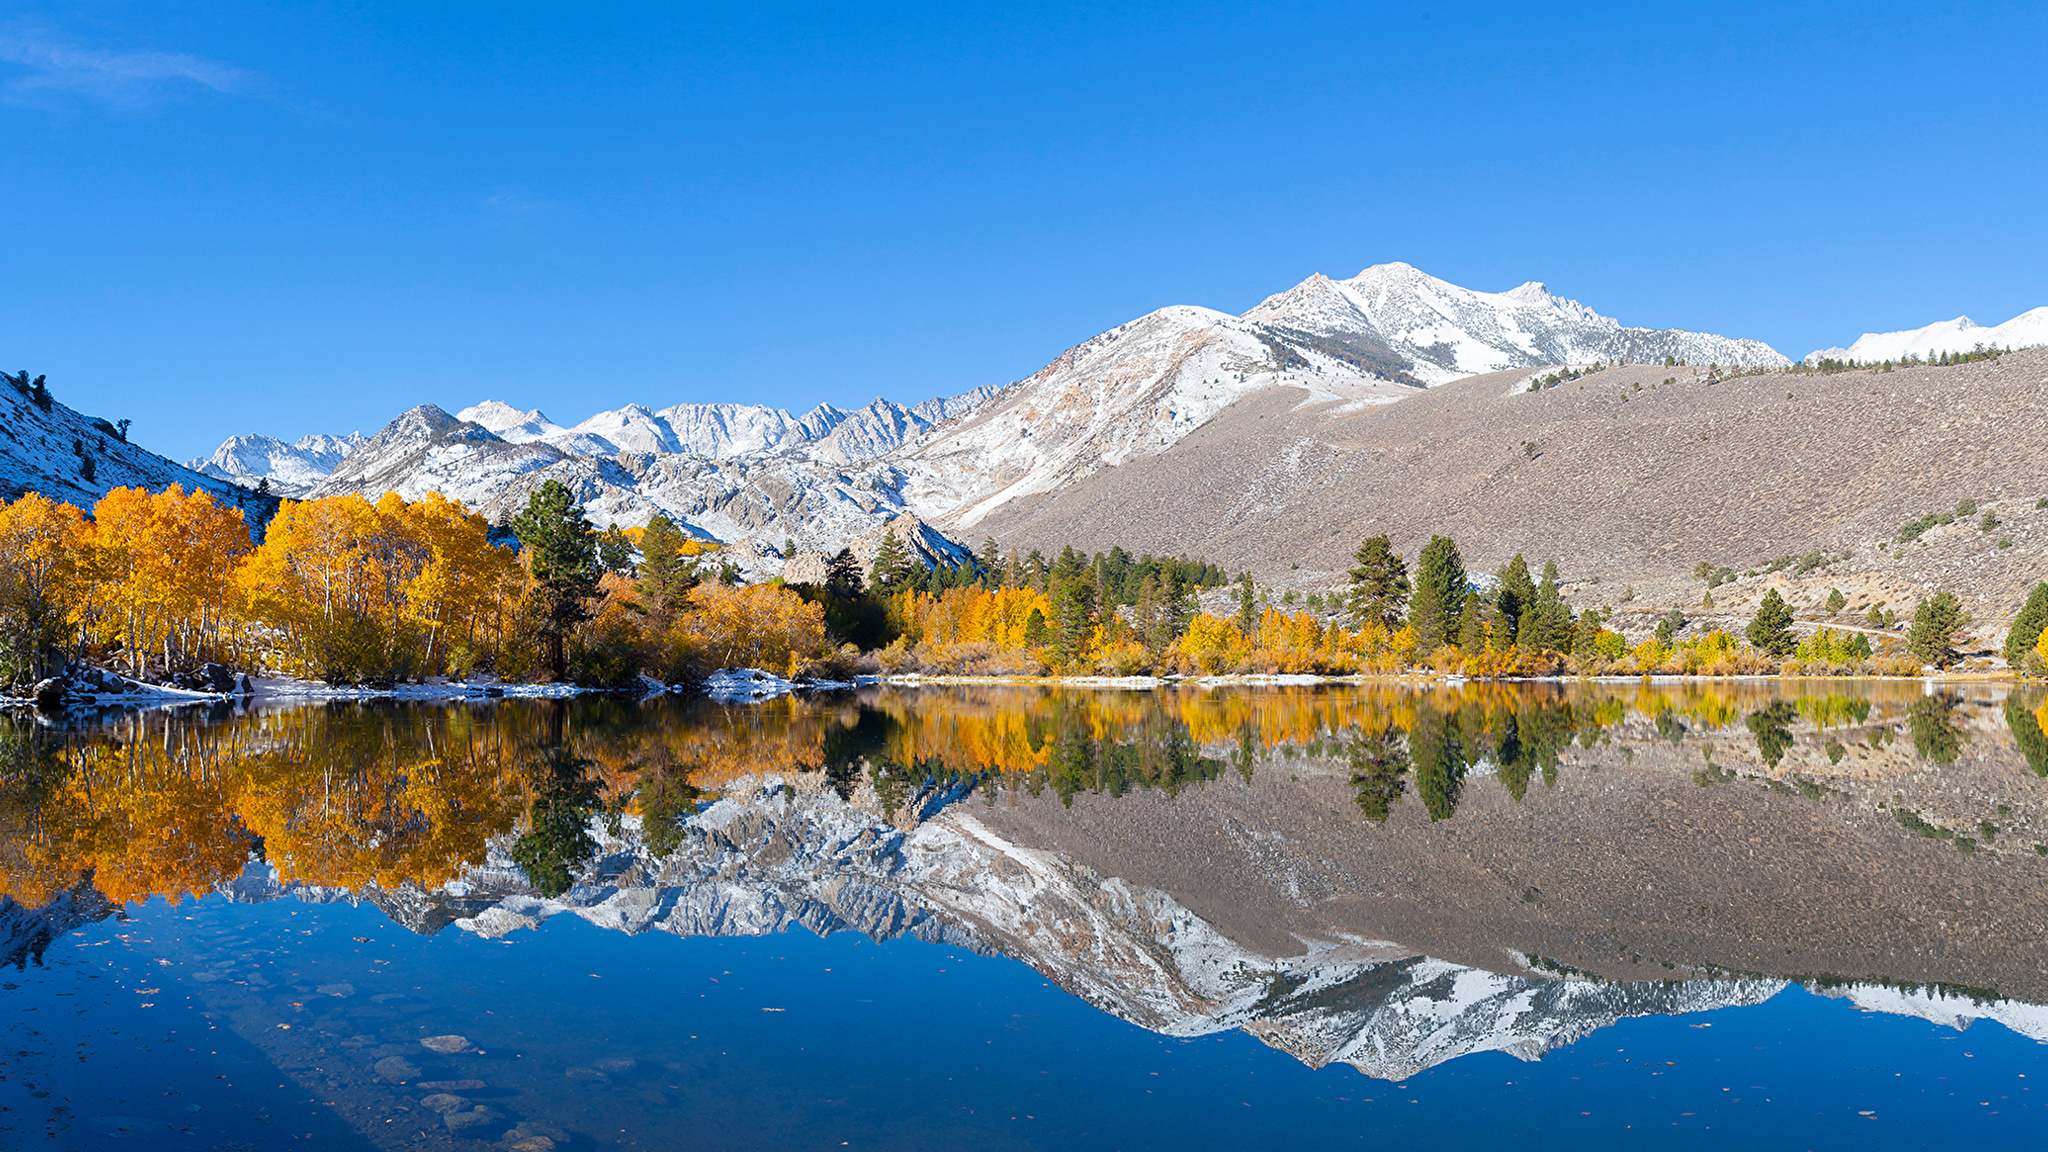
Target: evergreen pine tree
x,y
1771,629
1476,626
1247,605
1379,585
615,551
842,575
893,568
1517,594
1547,625
562,555
2027,626
1836,601
1439,595
1073,607
666,575
40,393
1585,632
1932,636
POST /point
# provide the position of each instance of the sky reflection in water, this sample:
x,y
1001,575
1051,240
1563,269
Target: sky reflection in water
x,y
1263,880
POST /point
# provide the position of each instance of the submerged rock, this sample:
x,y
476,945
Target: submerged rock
x,y
342,990
466,1121
444,1102
446,1045
397,1069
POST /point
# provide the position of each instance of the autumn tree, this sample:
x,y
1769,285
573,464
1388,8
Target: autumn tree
x,y
561,554
39,544
1379,584
2027,626
1770,630
1440,586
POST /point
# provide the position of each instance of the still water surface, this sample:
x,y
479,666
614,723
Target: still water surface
x,y
1014,918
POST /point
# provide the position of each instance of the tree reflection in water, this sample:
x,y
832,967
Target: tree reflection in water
x,y
363,796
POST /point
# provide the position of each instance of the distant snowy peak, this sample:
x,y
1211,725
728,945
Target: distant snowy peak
x,y
1438,331
293,469
2026,330
509,423
731,431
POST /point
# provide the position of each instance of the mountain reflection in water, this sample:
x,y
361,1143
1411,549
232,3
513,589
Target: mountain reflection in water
x,y
1383,876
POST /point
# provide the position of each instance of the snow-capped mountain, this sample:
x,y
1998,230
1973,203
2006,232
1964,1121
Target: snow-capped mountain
x,y
730,431
737,472
1134,390
2026,330
293,469
1438,331
69,456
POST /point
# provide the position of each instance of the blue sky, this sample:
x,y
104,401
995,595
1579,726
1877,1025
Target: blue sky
x,y
227,217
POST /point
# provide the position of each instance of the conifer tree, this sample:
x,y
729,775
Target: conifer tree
x,y
562,552
842,575
1517,594
1073,607
893,568
1439,599
1836,601
1473,625
2027,626
1547,625
1936,622
1379,584
1585,632
1247,605
615,551
1771,629
666,575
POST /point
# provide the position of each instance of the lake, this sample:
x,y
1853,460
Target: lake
x,y
1780,915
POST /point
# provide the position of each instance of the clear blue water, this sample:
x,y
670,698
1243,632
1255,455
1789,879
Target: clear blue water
x,y
214,1024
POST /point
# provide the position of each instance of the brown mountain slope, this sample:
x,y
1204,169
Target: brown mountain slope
x,y
1619,476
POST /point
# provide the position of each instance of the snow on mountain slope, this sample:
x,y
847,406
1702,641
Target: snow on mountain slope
x,y
1136,389
293,469
1442,332
47,452
736,471
2026,330
427,450
509,423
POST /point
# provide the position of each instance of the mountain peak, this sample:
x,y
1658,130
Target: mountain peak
x,y
1533,292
